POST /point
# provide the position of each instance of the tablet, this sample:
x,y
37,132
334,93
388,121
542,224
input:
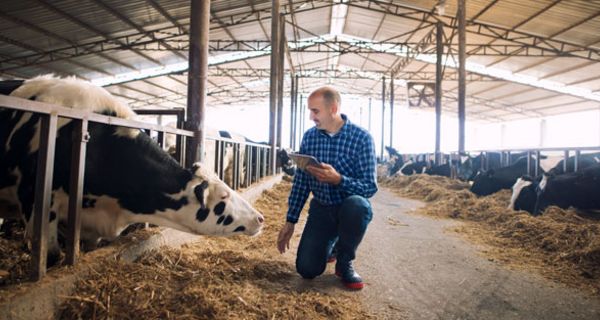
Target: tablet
x,y
304,160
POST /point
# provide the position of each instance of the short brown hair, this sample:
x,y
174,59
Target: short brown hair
x,y
329,94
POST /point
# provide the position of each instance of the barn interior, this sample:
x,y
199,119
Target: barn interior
x,y
468,62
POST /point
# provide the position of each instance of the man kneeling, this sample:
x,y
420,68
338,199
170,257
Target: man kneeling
x,y
341,185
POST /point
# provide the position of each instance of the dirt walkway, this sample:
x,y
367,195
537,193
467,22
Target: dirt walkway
x,y
416,270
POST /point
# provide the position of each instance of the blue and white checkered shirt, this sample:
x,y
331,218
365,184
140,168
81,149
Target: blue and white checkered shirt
x,y
351,152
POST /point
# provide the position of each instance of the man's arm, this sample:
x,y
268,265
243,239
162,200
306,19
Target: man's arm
x,y
365,181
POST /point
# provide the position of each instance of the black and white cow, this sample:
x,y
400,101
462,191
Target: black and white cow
x,y
490,181
579,189
395,161
285,162
470,166
443,170
585,160
411,167
128,177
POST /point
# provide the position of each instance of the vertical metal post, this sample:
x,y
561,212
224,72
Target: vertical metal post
x,y
292,110
197,76
529,162
576,160
281,65
461,74
370,114
274,79
78,152
382,115
439,37
43,193
537,162
391,111
542,133
179,139
302,117
565,159
237,168
298,107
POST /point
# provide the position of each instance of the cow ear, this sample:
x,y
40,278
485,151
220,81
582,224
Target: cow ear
x,y
195,167
199,192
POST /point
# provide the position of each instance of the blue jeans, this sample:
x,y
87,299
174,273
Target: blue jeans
x,y
346,223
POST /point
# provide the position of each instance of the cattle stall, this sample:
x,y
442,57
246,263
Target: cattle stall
x,y
50,114
50,117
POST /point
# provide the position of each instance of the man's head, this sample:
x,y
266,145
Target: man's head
x,y
324,105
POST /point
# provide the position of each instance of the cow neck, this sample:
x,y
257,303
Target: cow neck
x,y
133,170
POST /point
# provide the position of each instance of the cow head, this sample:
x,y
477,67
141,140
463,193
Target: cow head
x,y
215,209
467,169
542,199
285,162
484,183
524,194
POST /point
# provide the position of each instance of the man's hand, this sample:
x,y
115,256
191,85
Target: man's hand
x,y
283,240
325,173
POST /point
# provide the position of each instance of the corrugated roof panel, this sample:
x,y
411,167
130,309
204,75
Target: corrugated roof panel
x,y
528,95
252,32
315,22
555,67
577,75
362,23
583,106
394,26
550,102
509,13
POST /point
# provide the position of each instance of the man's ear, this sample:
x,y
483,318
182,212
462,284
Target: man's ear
x,y
334,108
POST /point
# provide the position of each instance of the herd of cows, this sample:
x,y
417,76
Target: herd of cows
x,y
554,186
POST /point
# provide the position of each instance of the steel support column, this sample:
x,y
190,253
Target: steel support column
x,y
197,76
382,114
370,114
273,81
391,112
461,74
281,64
292,110
438,90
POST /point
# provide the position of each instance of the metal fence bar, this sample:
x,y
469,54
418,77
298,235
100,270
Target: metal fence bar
x,y
43,193
78,153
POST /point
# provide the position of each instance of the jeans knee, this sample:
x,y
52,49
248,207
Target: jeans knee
x,y
357,205
308,271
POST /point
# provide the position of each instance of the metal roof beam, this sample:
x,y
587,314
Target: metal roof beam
x,y
559,47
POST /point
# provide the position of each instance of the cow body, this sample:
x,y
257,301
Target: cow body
x,y
443,170
411,167
470,166
128,177
579,189
585,160
490,181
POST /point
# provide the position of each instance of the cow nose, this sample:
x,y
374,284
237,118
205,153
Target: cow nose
x,y
260,218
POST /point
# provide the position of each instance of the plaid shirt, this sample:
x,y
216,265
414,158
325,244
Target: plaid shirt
x,y
351,152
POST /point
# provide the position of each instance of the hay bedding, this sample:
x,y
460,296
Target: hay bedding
x,y
217,278
562,245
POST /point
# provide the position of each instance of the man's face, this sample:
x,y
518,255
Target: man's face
x,y
322,115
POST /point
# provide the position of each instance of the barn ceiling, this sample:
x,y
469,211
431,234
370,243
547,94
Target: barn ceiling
x,y
525,59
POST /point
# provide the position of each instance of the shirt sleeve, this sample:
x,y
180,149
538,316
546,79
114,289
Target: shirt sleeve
x,y
300,191
365,181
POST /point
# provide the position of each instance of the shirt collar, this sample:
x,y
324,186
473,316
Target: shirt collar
x,y
342,130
